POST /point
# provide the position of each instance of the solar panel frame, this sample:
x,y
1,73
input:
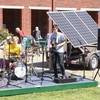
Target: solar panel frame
x,y
75,27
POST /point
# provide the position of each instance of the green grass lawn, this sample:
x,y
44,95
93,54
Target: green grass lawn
x,y
92,93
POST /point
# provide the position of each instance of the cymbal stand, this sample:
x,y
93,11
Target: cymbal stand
x,y
32,68
33,71
97,73
9,73
26,78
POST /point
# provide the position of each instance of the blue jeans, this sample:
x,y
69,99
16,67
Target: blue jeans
x,y
58,58
24,43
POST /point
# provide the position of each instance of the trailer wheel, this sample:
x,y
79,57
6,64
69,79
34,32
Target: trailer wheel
x,y
93,62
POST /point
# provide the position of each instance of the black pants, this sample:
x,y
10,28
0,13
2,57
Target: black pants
x,y
60,57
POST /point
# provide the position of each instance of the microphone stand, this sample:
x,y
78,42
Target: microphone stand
x,y
42,76
84,63
42,63
83,58
9,73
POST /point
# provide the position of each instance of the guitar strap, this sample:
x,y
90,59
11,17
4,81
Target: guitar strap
x,y
57,39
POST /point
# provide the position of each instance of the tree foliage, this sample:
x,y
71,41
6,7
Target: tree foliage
x,y
4,33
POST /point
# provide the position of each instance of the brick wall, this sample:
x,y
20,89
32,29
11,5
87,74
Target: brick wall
x,y
26,21
99,19
1,19
58,3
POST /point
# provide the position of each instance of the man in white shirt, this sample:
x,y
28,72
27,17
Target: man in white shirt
x,y
57,42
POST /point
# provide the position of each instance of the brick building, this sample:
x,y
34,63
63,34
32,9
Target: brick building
x,y
27,14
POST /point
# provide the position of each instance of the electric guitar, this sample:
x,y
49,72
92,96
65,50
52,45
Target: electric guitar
x,y
54,46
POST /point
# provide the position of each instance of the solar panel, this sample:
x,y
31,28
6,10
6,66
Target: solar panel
x,y
92,25
67,29
81,27
75,26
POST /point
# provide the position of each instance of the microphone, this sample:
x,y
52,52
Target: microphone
x,y
9,39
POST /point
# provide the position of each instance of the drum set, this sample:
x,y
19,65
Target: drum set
x,y
18,69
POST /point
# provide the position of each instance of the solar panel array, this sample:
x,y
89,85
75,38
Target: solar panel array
x,y
79,28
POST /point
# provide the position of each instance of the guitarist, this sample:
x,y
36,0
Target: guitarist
x,y
57,41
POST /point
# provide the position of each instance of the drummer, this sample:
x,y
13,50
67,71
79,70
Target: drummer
x,y
13,49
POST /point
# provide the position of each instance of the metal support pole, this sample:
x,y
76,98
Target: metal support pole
x,y
53,8
53,5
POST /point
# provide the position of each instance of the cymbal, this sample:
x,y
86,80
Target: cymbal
x,y
1,47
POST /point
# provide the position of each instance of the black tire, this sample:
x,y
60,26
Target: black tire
x,y
93,62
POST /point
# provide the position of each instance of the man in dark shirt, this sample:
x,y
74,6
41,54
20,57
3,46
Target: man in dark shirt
x,y
36,34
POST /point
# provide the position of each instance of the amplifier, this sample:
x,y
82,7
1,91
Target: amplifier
x,y
67,80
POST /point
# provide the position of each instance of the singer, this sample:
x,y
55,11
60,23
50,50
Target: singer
x,y
57,41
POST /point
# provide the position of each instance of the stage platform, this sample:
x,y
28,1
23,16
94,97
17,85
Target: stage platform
x,y
41,83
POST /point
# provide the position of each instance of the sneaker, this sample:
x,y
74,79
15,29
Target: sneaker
x,y
53,77
64,77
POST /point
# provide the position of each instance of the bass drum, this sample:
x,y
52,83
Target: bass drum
x,y
20,71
